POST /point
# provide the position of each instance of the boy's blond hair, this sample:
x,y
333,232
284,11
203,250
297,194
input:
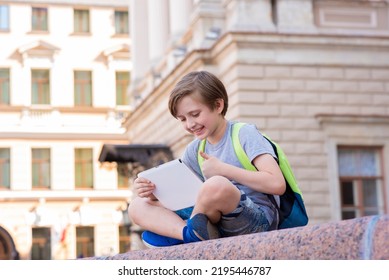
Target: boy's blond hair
x,y
205,84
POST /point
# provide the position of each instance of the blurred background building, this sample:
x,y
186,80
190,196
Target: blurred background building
x,y
64,71
83,106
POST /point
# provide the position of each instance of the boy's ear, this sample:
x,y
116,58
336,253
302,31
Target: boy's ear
x,y
219,105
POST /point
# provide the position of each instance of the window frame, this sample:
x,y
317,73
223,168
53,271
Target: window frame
x,y
358,207
43,92
4,18
39,19
5,95
6,161
83,89
121,22
84,242
43,243
124,238
42,173
85,164
121,88
79,16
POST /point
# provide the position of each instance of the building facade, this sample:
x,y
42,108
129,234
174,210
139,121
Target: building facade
x,y
311,74
64,72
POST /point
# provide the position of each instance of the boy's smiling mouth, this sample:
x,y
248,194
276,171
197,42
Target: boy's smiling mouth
x,y
197,131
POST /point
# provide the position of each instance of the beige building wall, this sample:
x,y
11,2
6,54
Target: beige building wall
x,y
62,127
311,74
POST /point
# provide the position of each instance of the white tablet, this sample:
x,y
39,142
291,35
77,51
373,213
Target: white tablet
x,y
176,184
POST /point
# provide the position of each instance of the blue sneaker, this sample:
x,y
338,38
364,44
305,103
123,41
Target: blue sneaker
x,y
154,240
199,228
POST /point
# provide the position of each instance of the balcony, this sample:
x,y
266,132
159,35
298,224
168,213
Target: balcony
x,y
63,121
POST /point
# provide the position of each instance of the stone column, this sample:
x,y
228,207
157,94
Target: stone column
x,y
180,13
139,43
207,22
158,11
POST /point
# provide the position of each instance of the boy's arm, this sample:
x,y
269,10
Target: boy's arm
x,y
268,179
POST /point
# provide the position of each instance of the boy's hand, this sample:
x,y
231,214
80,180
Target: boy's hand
x,y
144,188
211,166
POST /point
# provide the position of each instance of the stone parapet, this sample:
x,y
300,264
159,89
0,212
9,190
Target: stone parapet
x,y
355,239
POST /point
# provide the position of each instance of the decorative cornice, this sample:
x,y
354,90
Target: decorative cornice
x,y
121,51
38,48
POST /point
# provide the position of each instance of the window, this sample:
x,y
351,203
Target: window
x,y
122,81
85,242
361,182
4,86
121,22
123,176
84,168
4,18
39,19
5,168
40,168
124,239
81,21
40,87
82,88
41,244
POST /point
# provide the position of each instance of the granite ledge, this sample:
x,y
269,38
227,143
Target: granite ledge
x,y
355,239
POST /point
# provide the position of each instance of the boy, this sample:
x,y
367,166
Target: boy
x,y
232,200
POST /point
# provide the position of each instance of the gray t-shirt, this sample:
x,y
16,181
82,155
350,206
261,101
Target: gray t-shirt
x,y
253,143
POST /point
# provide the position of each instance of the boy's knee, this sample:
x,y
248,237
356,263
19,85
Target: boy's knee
x,y
217,181
217,187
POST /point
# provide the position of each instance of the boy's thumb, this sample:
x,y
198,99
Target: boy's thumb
x,y
204,155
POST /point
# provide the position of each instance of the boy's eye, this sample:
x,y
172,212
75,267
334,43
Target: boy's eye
x,y
195,115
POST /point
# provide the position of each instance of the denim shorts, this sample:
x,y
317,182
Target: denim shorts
x,y
246,218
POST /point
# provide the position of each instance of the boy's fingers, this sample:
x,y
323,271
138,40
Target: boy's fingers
x,y
204,155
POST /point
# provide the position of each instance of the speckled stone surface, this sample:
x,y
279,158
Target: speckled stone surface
x,y
361,238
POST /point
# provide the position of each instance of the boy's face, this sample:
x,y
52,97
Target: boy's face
x,y
198,118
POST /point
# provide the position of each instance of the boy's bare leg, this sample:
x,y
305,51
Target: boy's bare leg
x,y
151,215
218,196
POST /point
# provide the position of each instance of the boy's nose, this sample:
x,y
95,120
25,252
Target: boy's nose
x,y
190,124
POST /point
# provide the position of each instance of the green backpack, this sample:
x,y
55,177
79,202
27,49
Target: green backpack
x,y
291,206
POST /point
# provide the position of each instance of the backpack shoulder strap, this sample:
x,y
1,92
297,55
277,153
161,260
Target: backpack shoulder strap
x,y
200,159
239,151
282,159
285,166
